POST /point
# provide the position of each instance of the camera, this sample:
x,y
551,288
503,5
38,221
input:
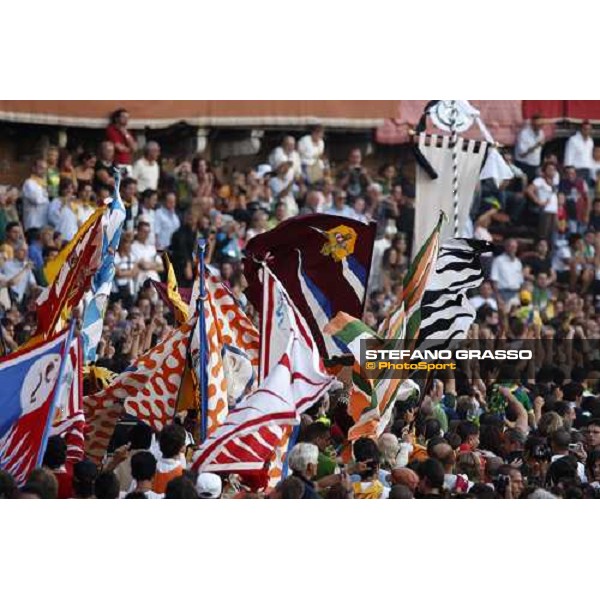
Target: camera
x,y
501,483
542,453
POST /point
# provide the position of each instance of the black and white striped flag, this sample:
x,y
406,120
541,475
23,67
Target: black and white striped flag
x,y
446,313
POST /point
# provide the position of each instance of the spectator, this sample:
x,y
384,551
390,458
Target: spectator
x,y
186,186
172,462
146,170
369,486
124,143
35,197
139,440
209,486
181,488
183,246
166,221
52,172
86,169
311,149
528,149
303,461
84,480
63,211
145,255
354,179
431,479
577,202
143,473
318,433
106,486
126,271
507,273
13,238
592,435
287,153
543,194
105,167
204,176
147,212
313,204
339,207
282,187
17,274
47,482
86,205
130,200
579,151
55,459
485,297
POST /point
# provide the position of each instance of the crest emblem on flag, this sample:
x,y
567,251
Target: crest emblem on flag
x,y
39,382
340,242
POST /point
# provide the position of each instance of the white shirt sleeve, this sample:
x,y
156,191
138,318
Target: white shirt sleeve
x,y
570,151
34,193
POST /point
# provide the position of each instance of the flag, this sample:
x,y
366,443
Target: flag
x,y
371,401
101,413
69,419
148,388
323,262
101,285
176,299
446,313
28,379
75,270
279,321
295,384
233,350
433,195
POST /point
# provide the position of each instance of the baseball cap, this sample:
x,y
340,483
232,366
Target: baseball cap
x,y
209,485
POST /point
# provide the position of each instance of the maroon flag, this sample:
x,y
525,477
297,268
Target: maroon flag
x,y
323,262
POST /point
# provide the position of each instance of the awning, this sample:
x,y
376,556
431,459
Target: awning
x,y
355,114
503,118
563,110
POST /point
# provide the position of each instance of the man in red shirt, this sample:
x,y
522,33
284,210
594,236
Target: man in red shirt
x,y
125,144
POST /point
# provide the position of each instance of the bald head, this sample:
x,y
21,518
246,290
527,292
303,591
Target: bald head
x,y
407,477
445,454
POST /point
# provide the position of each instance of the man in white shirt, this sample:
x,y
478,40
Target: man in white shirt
x,y
311,148
147,213
507,272
543,194
166,222
146,170
485,296
579,151
287,153
17,274
35,197
560,442
145,255
528,149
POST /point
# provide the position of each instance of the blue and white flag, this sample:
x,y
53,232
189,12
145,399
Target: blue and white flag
x,y
28,380
97,299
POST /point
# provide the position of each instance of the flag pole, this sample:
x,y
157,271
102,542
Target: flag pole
x,y
202,350
61,373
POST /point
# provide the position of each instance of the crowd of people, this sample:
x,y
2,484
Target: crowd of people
x,y
530,431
